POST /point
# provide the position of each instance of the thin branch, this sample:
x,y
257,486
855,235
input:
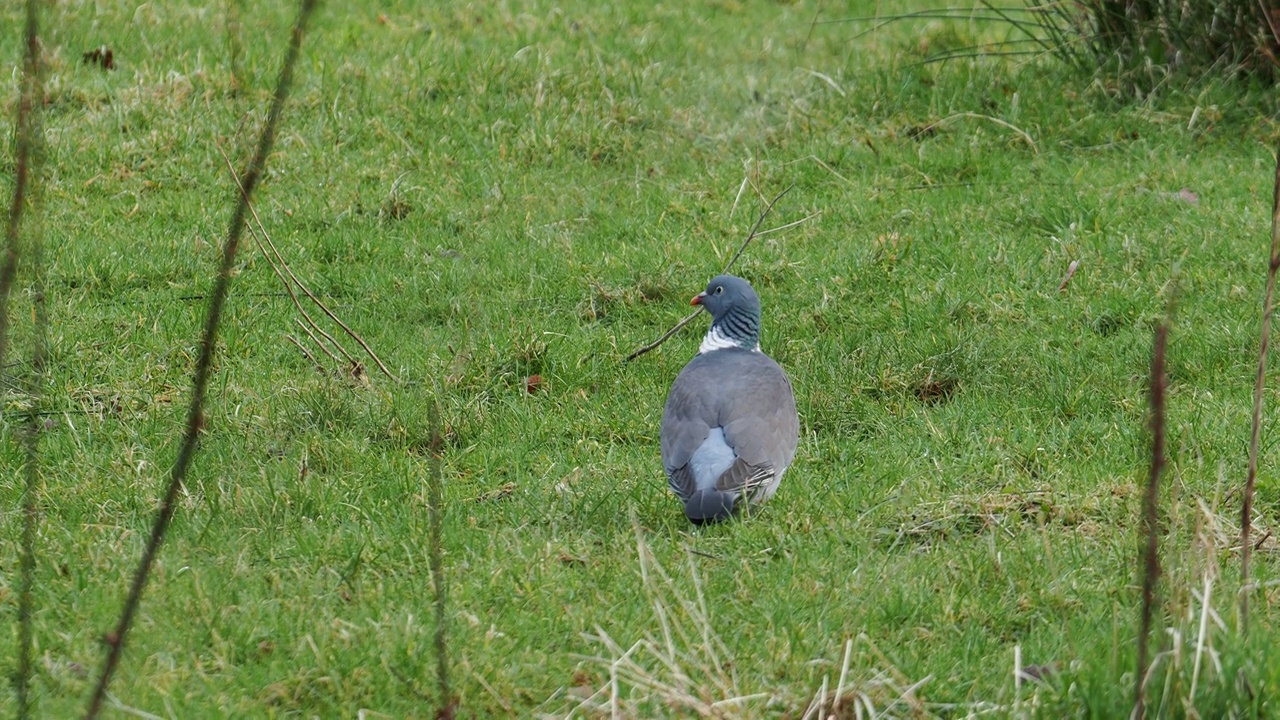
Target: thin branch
x,y
26,140
755,228
27,169
788,226
1150,512
755,231
804,45
282,264
665,336
1271,23
1246,510
319,344
310,323
305,352
204,365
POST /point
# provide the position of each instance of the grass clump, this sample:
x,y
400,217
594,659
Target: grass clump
x,y
1144,41
1134,46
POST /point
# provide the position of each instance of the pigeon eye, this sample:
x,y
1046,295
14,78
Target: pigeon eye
x,y
719,289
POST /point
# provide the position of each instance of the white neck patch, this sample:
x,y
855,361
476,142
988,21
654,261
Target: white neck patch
x,y
716,340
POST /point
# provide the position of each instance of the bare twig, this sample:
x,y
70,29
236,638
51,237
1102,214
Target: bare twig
x,y
788,226
755,228
27,168
280,263
305,352
1246,510
319,344
204,365
1150,513
1271,23
755,231
310,323
812,25
665,336
26,140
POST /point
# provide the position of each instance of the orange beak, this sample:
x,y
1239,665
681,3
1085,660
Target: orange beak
x,y
697,299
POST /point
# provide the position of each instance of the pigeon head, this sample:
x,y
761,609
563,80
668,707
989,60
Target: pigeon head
x,y
735,314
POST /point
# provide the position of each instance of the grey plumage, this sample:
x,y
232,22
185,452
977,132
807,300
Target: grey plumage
x,y
729,429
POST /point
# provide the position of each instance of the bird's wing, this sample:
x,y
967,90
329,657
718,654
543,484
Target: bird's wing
x,y
759,419
686,423
743,477
747,395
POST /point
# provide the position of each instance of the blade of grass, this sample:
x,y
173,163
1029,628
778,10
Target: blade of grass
x,y
979,116
1006,16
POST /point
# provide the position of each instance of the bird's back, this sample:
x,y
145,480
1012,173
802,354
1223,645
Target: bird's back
x,y
741,391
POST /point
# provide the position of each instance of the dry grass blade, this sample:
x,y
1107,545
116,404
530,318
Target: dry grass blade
x,y
979,116
682,667
858,699
27,167
686,667
1150,513
1201,635
1066,279
281,268
204,365
1246,510
755,231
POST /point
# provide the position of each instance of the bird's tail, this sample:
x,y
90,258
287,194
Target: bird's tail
x,y
709,506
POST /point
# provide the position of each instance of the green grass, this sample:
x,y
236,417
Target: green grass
x,y
972,439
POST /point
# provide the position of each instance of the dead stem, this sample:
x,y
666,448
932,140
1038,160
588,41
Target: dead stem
x,y
204,364
306,291
1150,513
26,171
1246,510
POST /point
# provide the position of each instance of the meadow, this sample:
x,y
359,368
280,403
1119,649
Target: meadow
x,y
488,192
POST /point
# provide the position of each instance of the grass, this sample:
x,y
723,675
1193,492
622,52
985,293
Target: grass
x,y
487,193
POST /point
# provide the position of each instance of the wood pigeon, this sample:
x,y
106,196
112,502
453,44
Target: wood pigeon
x,y
729,429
